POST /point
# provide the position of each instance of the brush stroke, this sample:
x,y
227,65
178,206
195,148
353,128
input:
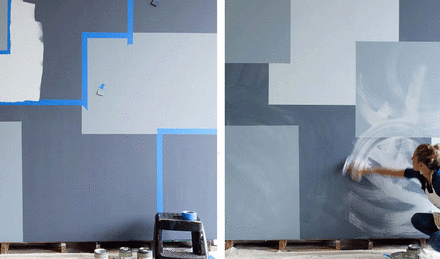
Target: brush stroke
x,y
384,206
398,80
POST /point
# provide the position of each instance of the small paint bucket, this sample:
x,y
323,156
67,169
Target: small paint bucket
x,y
101,253
144,253
189,215
125,253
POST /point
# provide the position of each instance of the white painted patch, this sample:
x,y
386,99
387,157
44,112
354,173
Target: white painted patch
x,y
398,80
21,70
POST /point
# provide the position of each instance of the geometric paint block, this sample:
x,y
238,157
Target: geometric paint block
x,y
11,190
418,20
322,65
190,179
397,84
262,183
3,26
162,80
257,31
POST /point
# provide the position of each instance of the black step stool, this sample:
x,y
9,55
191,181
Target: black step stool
x,y
175,222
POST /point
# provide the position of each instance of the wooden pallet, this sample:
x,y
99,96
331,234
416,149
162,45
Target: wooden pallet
x,y
336,244
62,247
5,246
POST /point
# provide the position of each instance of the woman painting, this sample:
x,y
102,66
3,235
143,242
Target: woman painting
x,y
426,165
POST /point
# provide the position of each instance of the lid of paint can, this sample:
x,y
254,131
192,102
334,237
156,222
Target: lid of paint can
x,y
124,249
101,251
144,250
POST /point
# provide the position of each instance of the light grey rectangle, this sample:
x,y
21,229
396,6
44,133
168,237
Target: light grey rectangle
x,y
322,49
262,193
3,25
163,80
257,31
11,182
397,89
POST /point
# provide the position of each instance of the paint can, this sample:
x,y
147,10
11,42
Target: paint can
x,y
125,253
144,253
101,253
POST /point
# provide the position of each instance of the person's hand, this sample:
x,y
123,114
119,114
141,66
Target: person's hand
x,y
356,173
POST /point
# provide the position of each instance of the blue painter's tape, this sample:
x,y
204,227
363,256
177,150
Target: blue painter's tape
x,y
188,131
46,102
130,22
159,155
105,35
84,69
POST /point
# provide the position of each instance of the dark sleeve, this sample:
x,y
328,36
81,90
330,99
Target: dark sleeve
x,y
436,182
410,173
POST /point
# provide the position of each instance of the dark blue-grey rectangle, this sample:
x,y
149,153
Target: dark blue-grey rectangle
x,y
190,179
418,20
5,21
83,188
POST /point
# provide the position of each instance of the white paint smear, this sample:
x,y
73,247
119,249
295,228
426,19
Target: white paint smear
x,y
404,87
367,205
21,70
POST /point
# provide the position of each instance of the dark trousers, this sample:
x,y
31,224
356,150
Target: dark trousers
x,y
424,222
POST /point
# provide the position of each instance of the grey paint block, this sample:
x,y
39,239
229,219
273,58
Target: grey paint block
x,y
262,193
163,80
196,16
3,25
11,183
397,81
326,137
257,31
83,188
190,180
418,20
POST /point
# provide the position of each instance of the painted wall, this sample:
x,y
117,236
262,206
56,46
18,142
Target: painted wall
x,y
359,83
119,116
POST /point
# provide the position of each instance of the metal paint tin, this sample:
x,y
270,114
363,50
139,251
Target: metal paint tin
x,y
125,253
144,253
101,253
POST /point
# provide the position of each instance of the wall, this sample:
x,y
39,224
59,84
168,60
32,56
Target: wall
x,y
339,82
119,111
